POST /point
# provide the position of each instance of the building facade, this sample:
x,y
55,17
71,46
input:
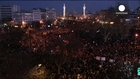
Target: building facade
x,y
0,15
27,17
43,13
13,13
36,15
50,14
7,12
17,17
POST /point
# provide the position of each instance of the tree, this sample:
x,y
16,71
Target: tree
x,y
35,24
106,27
106,31
59,44
113,25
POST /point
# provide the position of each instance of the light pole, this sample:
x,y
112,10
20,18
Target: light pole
x,y
14,21
138,21
41,23
136,36
24,24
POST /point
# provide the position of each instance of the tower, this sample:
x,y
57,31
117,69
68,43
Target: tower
x,y
64,11
84,11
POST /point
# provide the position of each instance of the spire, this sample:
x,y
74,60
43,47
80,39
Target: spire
x,y
84,11
84,6
64,6
64,10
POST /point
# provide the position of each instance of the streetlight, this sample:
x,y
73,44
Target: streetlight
x,y
138,20
41,22
136,36
23,23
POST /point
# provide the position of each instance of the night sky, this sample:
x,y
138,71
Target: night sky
x,y
91,6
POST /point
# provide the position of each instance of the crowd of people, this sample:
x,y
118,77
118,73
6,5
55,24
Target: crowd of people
x,y
119,61
94,61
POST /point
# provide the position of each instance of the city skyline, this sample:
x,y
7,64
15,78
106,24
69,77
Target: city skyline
x,y
91,6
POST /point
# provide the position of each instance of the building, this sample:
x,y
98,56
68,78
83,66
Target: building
x,y
7,12
17,17
25,16
138,11
43,14
36,14
50,14
0,15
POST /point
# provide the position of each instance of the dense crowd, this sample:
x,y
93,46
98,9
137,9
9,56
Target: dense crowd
x,y
93,61
119,61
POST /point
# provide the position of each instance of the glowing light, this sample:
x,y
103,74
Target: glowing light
x,y
111,22
16,26
59,36
44,33
49,26
55,22
98,20
51,50
98,31
106,22
111,60
56,26
63,18
5,24
100,66
41,21
136,35
23,22
72,31
81,18
39,65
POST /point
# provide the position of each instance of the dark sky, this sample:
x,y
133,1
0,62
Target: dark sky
x,y
91,6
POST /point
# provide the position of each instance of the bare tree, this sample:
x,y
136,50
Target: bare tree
x,y
60,44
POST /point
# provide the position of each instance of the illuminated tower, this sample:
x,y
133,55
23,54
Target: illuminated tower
x,y
64,11
84,11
